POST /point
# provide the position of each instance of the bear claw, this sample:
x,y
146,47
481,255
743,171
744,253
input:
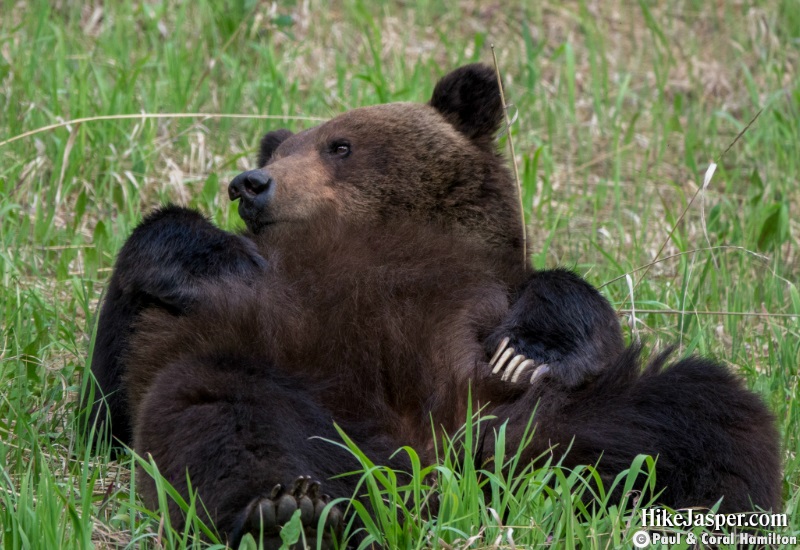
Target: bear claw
x,y
268,514
512,370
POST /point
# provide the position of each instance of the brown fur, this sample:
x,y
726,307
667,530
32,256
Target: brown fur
x,y
357,312
380,270
406,165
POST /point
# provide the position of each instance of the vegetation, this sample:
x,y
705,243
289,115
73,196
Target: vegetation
x,y
618,110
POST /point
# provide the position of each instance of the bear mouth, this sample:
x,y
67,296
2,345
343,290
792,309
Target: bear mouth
x,y
259,227
256,219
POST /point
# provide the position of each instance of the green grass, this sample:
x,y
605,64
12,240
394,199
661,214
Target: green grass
x,y
621,106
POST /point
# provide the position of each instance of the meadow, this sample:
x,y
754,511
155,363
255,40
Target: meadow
x,y
108,110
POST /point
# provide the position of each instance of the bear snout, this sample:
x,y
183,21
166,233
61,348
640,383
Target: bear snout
x,y
255,188
248,185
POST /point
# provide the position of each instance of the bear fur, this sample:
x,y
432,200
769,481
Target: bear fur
x,y
378,284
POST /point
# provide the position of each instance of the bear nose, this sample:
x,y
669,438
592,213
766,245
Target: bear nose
x,y
248,185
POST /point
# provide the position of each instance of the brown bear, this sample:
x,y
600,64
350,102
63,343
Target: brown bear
x,y
380,283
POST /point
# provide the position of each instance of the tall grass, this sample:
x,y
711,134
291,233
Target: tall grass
x,y
621,107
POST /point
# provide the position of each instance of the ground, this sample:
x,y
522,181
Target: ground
x,y
618,109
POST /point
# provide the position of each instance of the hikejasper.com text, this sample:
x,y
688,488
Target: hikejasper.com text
x,y
661,518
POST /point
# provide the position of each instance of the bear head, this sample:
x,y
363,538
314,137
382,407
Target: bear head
x,y
434,163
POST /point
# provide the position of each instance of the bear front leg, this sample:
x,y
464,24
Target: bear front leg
x,y
163,264
172,253
559,326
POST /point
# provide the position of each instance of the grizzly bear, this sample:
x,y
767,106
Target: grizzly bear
x,y
382,281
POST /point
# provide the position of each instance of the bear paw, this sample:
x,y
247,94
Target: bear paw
x,y
266,515
514,366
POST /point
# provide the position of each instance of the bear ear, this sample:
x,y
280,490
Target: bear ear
x,y
269,143
470,100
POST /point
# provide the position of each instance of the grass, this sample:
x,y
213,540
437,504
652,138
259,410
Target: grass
x,y
619,108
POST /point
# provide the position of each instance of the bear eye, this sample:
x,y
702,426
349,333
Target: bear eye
x,y
340,149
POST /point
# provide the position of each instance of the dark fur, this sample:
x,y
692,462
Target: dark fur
x,y
559,319
712,437
469,98
269,143
159,266
373,285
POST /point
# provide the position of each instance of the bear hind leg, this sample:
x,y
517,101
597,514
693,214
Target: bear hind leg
x,y
250,439
266,515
